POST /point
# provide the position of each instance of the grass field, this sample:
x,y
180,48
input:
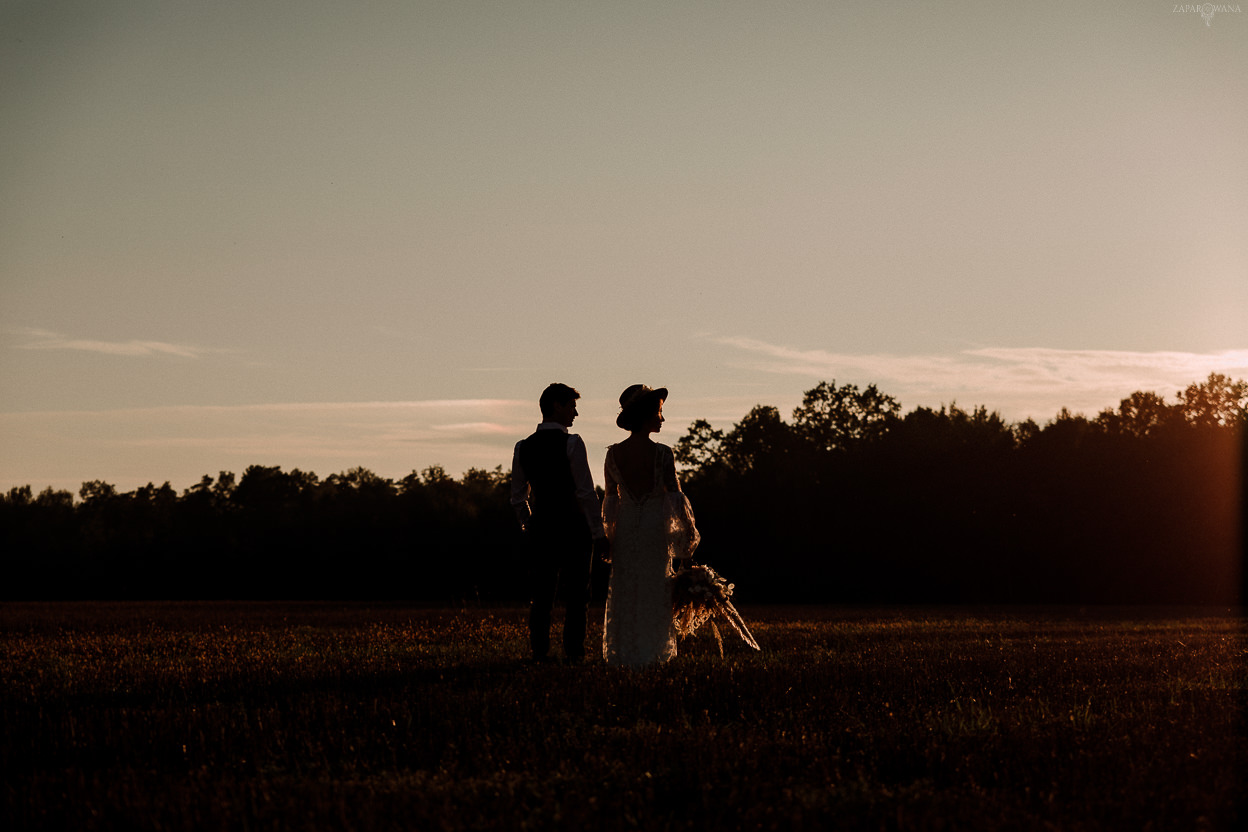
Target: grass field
x,y
366,717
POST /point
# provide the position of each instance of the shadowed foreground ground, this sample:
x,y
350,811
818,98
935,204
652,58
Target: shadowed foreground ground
x,y
331,716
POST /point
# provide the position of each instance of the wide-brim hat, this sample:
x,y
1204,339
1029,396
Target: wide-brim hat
x,y
639,402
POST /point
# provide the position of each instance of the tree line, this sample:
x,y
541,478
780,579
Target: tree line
x,y
268,534
849,501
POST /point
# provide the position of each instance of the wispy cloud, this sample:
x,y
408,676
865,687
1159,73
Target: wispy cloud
x,y
1018,381
42,339
464,405
476,429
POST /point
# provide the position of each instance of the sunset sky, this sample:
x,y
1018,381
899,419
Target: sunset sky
x,y
330,234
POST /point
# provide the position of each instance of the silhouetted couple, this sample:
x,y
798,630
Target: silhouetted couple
x,y
643,523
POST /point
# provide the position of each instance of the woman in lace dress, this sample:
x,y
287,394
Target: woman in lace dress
x,y
649,523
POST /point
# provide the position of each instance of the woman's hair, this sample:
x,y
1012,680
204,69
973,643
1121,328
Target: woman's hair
x,y
638,404
634,418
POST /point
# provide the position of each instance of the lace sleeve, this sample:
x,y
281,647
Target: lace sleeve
x,y
610,497
682,532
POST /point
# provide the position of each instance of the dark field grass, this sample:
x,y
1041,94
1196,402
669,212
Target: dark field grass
x,y
331,716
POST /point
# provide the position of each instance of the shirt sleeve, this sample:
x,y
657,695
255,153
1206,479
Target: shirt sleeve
x,y
519,482
584,480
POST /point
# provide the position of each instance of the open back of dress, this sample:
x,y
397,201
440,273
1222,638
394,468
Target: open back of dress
x,y
646,530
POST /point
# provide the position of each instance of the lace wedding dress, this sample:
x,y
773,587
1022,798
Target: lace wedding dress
x,y
647,531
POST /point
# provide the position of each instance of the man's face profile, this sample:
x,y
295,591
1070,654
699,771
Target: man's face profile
x,y
565,412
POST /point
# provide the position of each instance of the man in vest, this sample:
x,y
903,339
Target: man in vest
x,y
553,495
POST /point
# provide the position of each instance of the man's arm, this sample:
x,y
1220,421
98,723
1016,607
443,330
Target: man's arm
x,y
584,480
519,489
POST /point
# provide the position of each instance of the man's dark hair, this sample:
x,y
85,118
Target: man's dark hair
x,y
556,394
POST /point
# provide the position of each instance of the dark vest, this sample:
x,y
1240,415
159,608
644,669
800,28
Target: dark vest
x,y
552,496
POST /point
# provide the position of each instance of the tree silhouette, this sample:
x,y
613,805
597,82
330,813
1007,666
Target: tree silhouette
x,y
1139,415
1216,402
834,418
700,447
760,442
953,505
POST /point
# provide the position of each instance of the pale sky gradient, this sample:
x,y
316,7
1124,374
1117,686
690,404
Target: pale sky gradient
x,y
329,234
